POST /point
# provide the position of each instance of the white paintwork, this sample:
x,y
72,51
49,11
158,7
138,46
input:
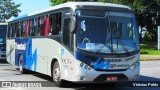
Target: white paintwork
x,y
10,54
74,4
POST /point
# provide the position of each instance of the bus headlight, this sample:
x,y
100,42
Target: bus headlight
x,y
85,66
134,65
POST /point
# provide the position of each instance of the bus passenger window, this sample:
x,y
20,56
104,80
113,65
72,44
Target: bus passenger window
x,y
46,26
41,26
30,27
33,30
55,24
10,30
13,30
24,26
17,29
27,28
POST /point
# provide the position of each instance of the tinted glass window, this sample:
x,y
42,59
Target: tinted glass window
x,y
66,32
55,24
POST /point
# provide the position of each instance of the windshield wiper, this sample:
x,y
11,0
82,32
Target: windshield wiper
x,y
124,47
100,49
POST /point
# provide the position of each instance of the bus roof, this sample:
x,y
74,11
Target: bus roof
x,y
22,16
72,5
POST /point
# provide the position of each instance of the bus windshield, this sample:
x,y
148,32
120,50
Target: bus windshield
x,y
106,32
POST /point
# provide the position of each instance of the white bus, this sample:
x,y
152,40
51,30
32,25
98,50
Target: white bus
x,y
3,31
77,42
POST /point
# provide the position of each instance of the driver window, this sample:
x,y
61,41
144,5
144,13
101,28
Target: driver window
x,y
66,32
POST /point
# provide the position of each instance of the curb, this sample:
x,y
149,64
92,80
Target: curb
x,y
149,57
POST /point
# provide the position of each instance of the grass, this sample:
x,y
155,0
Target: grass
x,y
149,51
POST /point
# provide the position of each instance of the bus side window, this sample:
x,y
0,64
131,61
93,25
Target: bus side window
x,y
50,25
55,24
30,27
46,25
24,25
13,30
10,30
32,30
27,28
35,27
17,30
41,26
66,32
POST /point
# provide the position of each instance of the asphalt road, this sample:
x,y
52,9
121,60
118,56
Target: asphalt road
x,y
150,71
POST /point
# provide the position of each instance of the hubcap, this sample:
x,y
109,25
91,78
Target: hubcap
x,y
56,74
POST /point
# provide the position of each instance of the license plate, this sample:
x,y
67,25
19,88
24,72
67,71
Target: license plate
x,y
112,78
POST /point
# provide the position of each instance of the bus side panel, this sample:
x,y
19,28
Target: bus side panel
x,y
24,48
10,51
68,65
47,50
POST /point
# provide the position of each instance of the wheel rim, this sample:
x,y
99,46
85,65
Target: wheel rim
x,y
56,73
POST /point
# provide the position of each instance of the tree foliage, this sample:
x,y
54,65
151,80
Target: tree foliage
x,y
8,9
147,12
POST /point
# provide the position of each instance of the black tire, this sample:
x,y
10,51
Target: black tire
x,y
56,75
21,70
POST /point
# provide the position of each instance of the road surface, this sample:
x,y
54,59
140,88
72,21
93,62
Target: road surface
x,y
150,71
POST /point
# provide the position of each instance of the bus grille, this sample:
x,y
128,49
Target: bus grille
x,y
112,60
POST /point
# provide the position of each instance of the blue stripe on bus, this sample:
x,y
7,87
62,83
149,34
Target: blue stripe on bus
x,y
95,62
29,59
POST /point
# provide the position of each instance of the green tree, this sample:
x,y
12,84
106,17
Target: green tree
x,y
56,2
8,9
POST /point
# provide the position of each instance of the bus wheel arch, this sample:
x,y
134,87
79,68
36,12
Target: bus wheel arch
x,y
54,68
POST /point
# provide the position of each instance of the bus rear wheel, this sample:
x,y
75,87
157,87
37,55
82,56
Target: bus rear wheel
x,y
21,70
56,75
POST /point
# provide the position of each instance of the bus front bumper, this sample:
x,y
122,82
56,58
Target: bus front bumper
x,y
130,74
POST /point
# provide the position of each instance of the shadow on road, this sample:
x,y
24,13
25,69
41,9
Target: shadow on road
x,y
3,61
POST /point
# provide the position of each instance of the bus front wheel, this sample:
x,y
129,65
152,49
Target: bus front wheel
x,y
56,75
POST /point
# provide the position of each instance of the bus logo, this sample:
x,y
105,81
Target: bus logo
x,y
20,46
